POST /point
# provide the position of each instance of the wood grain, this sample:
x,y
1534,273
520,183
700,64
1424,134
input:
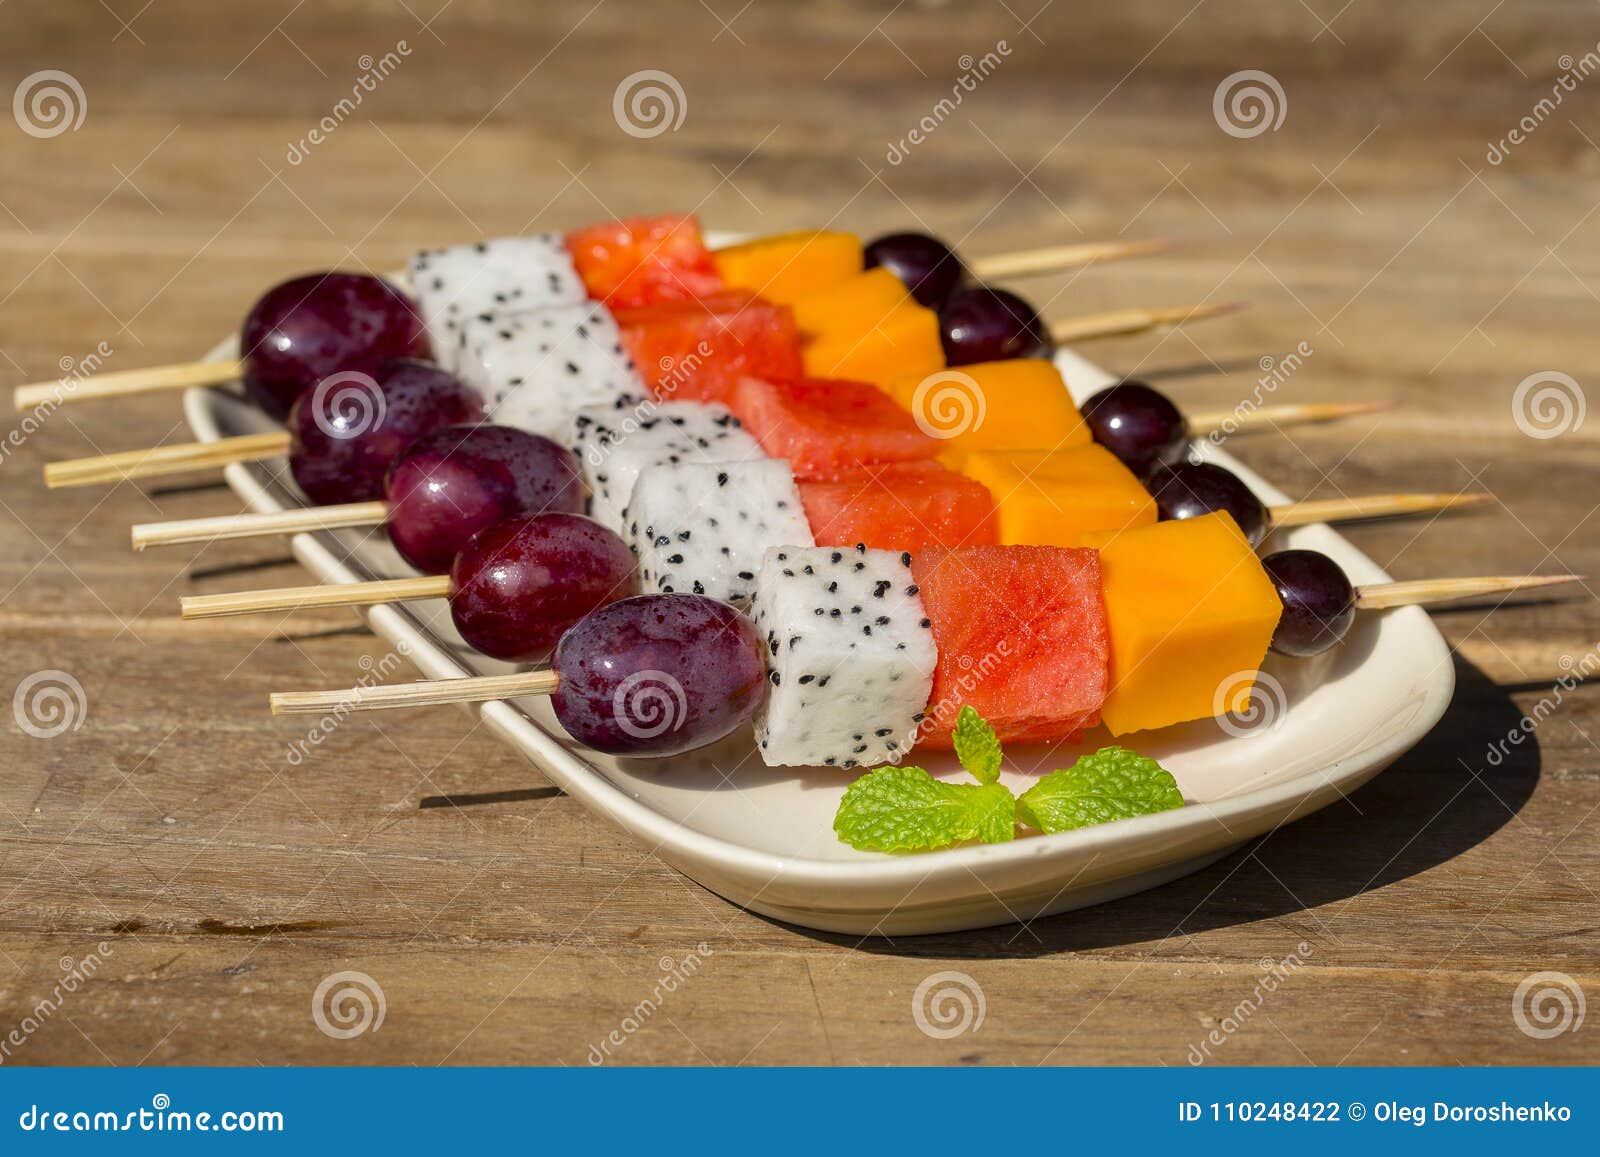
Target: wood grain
x,y
227,872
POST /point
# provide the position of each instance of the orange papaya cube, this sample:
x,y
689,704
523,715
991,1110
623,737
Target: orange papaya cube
x,y
1010,405
1056,498
788,265
903,341
1191,613
899,506
842,308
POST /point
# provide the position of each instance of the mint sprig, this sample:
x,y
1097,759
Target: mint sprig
x,y
904,809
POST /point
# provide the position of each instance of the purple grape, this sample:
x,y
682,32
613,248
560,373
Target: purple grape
x,y
454,482
1319,604
1191,489
343,439
1138,424
980,324
517,586
658,675
925,264
321,324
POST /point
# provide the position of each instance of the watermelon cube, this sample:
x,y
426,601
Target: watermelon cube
x,y
1022,637
642,260
698,349
900,506
829,429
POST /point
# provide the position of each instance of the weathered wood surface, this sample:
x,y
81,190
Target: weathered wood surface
x,y
504,923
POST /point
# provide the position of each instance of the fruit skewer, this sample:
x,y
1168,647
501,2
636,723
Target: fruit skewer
x,y
305,329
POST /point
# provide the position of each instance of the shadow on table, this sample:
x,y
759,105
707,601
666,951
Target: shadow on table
x,y
1437,801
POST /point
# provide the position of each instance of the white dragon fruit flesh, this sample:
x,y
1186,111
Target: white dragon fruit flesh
x,y
537,368
700,528
615,443
506,273
850,656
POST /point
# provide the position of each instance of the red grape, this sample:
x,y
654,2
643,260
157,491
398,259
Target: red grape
x,y
1191,489
1319,604
926,265
979,324
1138,424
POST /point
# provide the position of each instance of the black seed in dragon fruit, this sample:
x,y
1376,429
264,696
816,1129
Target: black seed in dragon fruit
x,y
700,528
537,368
496,276
850,656
615,443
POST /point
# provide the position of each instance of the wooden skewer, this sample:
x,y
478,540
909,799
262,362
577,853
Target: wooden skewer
x,y
189,530
1289,414
483,688
124,383
157,460
1431,592
1126,321
1048,258
427,693
1369,506
323,595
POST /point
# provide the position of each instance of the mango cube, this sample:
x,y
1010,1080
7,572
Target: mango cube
x,y
1191,613
785,266
1011,405
1055,498
848,306
877,350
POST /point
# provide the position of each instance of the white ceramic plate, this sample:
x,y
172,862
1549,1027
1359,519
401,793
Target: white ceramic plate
x,y
762,837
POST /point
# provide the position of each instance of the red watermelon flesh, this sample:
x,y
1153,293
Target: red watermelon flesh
x,y
642,260
1022,637
829,429
901,506
697,350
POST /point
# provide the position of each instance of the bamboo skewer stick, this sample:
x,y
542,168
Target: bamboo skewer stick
x,y
125,383
1127,321
190,530
484,688
322,595
1288,414
1049,258
157,460
1369,506
427,693
1431,592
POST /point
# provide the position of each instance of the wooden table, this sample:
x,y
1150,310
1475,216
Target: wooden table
x,y
214,883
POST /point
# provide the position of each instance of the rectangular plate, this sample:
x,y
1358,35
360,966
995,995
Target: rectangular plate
x,y
763,838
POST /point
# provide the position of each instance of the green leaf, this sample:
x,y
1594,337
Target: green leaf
x,y
976,745
1112,784
904,809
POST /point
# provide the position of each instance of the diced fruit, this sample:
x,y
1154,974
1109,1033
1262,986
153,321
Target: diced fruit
x,y
1056,498
1191,613
1022,637
850,657
702,528
697,350
981,324
827,429
925,264
1012,405
900,506
784,266
903,341
489,276
846,308
642,260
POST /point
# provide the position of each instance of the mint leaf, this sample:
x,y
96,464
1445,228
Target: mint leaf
x,y
976,745
1112,784
904,809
